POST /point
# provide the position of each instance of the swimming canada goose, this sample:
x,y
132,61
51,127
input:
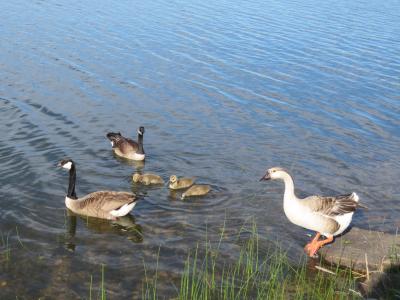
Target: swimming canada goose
x,y
328,216
147,179
181,183
127,148
102,204
196,190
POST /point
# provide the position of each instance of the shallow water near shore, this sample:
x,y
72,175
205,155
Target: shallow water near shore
x,y
224,91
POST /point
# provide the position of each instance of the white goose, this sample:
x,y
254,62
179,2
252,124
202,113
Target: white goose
x,y
328,216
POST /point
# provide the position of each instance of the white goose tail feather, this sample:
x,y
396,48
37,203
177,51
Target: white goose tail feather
x,y
355,197
123,210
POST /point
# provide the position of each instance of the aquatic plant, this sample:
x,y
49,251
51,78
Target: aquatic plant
x,y
255,274
258,275
5,249
102,292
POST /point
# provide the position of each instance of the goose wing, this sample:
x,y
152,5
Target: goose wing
x,y
106,200
124,144
127,145
332,206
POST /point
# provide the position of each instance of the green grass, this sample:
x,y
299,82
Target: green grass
x,y
102,292
7,242
5,249
257,275
149,288
254,274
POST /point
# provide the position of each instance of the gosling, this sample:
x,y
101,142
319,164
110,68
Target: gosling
x,y
181,183
147,179
196,190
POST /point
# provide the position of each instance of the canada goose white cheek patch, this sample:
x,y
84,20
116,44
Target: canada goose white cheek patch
x,y
112,143
67,165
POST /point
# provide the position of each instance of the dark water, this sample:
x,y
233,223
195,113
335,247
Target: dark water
x,y
224,90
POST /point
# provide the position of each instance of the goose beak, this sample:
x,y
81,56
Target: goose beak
x,y
266,177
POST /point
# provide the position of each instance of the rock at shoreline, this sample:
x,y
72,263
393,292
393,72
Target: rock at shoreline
x,y
361,249
373,253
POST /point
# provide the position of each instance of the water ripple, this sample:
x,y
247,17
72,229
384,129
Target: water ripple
x,y
224,90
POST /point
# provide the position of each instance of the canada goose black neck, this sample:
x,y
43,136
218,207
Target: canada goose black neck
x,y
140,143
71,186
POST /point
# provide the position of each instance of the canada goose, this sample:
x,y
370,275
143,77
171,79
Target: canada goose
x,y
181,183
102,204
147,179
127,148
328,216
196,190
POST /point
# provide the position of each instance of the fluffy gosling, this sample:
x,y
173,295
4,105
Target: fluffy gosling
x,y
196,190
147,179
181,183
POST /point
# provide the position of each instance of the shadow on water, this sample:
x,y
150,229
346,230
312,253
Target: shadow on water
x,y
123,226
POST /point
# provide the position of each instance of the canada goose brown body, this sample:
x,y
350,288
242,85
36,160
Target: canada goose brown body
x,y
101,204
176,183
196,190
147,179
127,148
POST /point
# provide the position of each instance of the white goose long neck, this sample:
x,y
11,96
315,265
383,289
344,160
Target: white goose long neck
x,y
289,187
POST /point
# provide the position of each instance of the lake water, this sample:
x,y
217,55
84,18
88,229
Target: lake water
x,y
225,90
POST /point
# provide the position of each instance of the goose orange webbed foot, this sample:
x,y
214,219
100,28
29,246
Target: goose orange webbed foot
x,y
313,249
316,245
309,247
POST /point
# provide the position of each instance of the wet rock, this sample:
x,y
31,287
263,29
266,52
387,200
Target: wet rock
x,y
373,253
363,250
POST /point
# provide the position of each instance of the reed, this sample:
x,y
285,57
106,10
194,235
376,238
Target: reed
x,y
5,249
256,274
102,292
149,287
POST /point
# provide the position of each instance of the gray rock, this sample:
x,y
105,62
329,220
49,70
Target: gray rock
x,y
361,249
373,253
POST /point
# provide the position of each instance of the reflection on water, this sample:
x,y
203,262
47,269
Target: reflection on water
x,y
138,165
224,91
123,226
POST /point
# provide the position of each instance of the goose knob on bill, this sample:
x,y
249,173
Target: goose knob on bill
x,y
102,204
328,216
127,148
